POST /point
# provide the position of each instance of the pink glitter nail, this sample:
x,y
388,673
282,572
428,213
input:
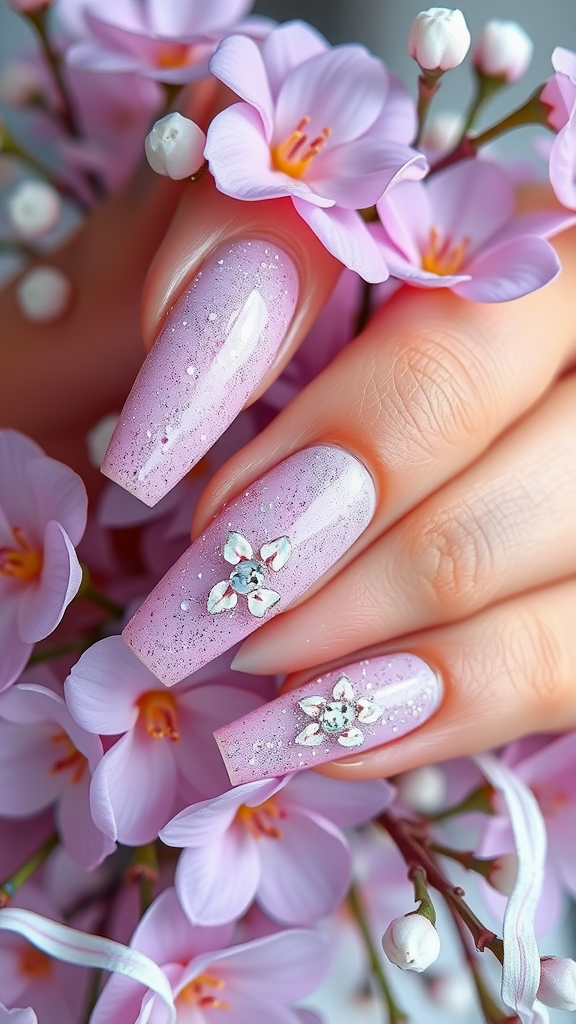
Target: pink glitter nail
x,y
261,552
354,708
218,341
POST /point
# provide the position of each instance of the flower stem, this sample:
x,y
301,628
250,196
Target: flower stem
x,y
395,1014
88,592
479,801
486,87
428,84
417,855
10,887
39,20
421,894
144,870
492,1013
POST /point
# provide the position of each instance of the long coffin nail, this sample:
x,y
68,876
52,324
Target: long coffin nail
x,y
260,553
355,708
218,341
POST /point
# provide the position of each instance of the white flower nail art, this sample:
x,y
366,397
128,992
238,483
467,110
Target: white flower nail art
x,y
249,575
337,717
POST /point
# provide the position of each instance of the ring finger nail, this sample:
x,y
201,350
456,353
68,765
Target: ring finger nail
x,y
264,550
355,708
217,343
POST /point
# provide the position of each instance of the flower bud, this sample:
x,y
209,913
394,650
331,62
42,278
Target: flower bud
x,y
503,872
98,438
43,294
439,39
503,50
175,146
33,209
453,993
411,942
443,131
423,789
558,982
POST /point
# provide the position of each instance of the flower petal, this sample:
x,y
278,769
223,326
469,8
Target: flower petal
x,y
563,163
221,597
216,883
346,804
60,495
351,738
288,46
17,1016
346,236
104,686
472,198
521,967
76,947
204,822
312,705
311,736
166,936
15,652
358,174
27,756
85,843
261,601
510,270
276,553
343,690
370,710
17,497
42,606
236,548
239,64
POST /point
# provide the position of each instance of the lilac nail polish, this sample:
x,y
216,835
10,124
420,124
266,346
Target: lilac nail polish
x,y
354,708
217,343
260,553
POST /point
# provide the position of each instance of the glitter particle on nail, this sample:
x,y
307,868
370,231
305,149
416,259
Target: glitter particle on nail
x,y
184,605
190,370
211,316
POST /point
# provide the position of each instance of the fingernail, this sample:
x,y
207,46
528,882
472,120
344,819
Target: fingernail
x,y
352,709
218,341
260,553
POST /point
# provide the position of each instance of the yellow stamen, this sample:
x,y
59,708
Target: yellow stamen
x,y
193,993
294,154
442,257
71,758
175,55
34,963
158,715
22,562
260,820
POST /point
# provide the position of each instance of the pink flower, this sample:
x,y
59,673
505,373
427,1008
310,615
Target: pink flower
x,y
17,1016
559,94
45,759
256,981
457,230
281,835
325,126
166,755
42,516
167,40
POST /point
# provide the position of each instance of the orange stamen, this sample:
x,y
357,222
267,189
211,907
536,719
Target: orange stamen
x,y
34,963
550,799
442,257
288,156
158,715
260,820
175,55
72,758
193,993
21,562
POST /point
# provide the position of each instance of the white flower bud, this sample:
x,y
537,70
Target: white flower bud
x,y
443,131
423,789
98,438
503,873
503,50
439,39
19,83
175,146
43,294
411,942
452,992
557,982
33,209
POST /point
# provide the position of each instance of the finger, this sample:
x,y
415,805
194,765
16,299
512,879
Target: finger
x,y
503,526
232,292
448,692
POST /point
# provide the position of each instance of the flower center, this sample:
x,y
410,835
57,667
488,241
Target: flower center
x,y
194,992
550,799
337,716
34,963
247,577
158,714
442,256
294,154
260,821
175,55
71,758
22,562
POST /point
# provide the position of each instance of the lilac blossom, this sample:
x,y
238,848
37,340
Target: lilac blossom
x,y
45,759
457,230
42,517
284,839
166,754
326,126
254,981
166,40
559,94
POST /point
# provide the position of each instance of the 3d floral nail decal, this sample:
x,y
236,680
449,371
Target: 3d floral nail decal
x,y
249,575
338,716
